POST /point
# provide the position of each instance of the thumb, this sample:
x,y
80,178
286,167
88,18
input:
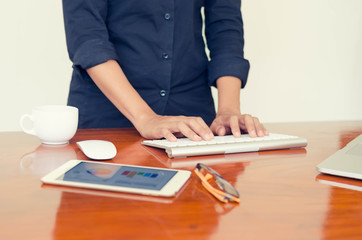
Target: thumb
x,y
219,130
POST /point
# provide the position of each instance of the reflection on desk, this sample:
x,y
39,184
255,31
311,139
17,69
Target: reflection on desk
x,y
47,158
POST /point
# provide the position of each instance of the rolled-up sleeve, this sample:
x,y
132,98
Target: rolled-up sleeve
x,y
225,40
86,32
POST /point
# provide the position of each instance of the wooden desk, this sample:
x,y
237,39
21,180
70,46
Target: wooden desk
x,y
281,196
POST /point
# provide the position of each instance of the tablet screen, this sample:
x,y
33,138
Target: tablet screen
x,y
115,175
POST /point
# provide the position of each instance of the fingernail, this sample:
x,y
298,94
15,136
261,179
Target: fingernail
x,y
197,138
252,133
210,136
173,139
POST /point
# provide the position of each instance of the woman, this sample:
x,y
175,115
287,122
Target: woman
x,y
143,63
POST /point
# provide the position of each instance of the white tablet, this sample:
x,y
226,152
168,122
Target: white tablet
x,y
117,177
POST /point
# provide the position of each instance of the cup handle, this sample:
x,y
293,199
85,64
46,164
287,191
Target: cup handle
x,y
28,131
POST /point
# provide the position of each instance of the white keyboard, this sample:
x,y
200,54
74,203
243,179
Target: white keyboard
x,y
185,147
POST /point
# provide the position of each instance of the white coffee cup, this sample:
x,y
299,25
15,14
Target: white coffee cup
x,y
53,124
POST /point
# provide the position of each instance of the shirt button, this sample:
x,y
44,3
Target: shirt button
x,y
165,56
167,16
163,93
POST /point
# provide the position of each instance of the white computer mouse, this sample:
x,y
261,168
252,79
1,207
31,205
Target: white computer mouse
x,y
98,149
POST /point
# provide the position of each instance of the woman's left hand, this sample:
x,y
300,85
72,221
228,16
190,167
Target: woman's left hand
x,y
235,123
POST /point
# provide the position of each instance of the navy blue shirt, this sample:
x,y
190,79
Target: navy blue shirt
x,y
160,47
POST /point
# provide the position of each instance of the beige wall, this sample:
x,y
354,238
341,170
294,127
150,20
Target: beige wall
x,y
306,59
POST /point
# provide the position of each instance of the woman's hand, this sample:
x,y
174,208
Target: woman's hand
x,y
236,123
229,120
171,127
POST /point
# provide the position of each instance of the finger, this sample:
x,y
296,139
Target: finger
x,y
248,121
200,127
187,131
189,126
260,130
220,130
234,126
217,128
166,133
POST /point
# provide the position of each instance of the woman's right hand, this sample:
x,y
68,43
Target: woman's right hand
x,y
171,127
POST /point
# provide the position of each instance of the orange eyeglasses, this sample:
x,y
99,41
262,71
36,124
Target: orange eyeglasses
x,y
216,184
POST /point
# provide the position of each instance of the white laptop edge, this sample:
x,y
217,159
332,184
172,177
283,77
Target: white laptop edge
x,y
343,163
